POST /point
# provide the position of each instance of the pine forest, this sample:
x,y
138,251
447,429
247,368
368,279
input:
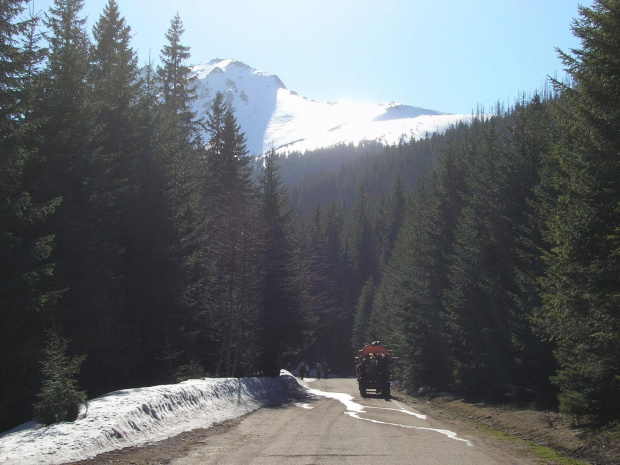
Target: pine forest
x,y
486,257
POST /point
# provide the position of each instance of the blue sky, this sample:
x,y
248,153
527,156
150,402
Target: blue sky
x,y
446,55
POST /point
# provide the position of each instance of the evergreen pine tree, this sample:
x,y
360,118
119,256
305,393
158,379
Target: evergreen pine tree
x,y
323,287
149,235
229,197
115,84
59,397
25,247
479,301
362,244
533,132
175,78
363,332
178,168
393,214
411,295
116,87
582,285
68,148
281,324
216,161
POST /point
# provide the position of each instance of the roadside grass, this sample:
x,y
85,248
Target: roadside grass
x,y
548,437
545,454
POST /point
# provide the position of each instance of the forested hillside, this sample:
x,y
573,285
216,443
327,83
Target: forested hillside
x,y
488,258
497,278
336,174
150,250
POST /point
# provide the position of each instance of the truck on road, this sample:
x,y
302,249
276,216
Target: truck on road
x,y
373,369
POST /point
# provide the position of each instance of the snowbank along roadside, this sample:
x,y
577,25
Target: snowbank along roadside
x,y
134,417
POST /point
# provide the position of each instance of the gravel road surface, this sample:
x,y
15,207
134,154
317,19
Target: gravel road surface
x,y
336,425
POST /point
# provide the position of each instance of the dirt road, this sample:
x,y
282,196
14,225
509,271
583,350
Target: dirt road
x,y
335,425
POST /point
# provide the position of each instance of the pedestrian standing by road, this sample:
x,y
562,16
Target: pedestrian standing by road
x,y
319,369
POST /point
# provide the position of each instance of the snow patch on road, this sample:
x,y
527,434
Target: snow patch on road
x,y
354,410
450,434
346,399
304,406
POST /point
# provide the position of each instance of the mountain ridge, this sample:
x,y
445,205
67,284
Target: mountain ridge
x,y
272,116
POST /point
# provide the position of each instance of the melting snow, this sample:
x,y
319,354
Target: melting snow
x,y
355,410
134,417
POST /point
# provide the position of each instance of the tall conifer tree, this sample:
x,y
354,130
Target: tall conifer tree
x,y
282,324
176,153
114,79
477,300
362,244
67,137
582,286
229,194
25,247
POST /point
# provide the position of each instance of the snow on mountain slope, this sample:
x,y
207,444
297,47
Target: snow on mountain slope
x,y
273,116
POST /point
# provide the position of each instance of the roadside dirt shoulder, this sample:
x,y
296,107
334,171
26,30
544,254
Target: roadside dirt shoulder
x,y
525,432
162,452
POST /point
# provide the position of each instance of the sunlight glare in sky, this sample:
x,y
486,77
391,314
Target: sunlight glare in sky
x,y
446,55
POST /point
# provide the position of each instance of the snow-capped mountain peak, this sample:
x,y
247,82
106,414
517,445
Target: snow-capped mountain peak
x,y
234,70
273,116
